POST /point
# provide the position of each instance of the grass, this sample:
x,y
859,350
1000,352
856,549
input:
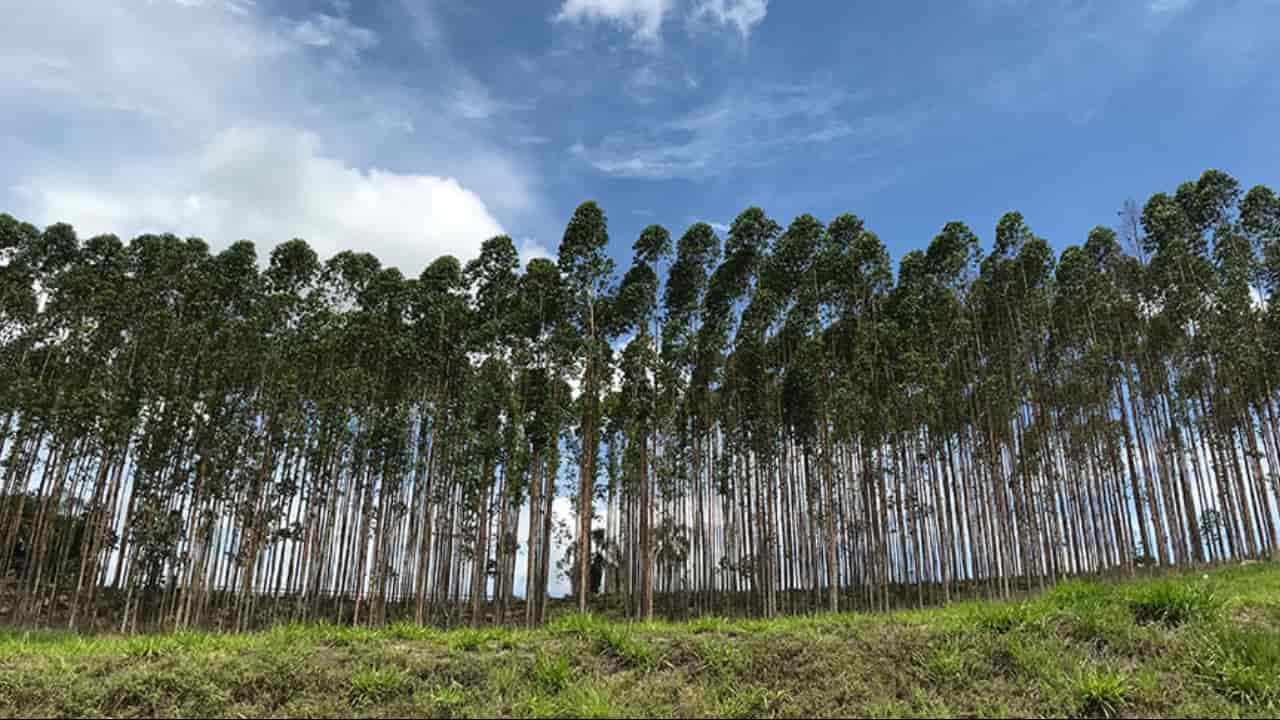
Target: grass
x,y
1243,666
376,685
1100,692
1174,602
613,639
1190,645
552,674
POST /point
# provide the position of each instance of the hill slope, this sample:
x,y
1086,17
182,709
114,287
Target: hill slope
x,y
1191,645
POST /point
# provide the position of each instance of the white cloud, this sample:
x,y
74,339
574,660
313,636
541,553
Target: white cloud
x,y
562,511
329,31
272,184
392,119
642,18
530,249
658,77
219,119
642,82
743,15
474,102
745,129
1161,7
239,7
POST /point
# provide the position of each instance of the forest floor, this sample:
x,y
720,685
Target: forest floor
x,y
1204,644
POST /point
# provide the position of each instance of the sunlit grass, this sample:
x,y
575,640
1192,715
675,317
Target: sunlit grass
x,y
1178,645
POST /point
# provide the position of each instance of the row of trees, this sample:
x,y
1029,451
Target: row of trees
x,y
782,425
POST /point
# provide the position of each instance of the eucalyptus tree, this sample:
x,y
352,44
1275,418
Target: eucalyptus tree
x,y
744,396
587,274
633,310
494,277
1260,221
859,277
683,410
211,441
540,313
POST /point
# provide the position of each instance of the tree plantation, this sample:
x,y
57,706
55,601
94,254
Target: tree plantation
x,y
770,422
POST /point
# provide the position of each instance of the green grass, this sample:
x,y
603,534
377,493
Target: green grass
x,y
613,639
552,674
1244,666
1192,645
376,685
1100,692
1174,602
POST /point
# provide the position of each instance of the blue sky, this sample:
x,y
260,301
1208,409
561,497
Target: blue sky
x,y
416,127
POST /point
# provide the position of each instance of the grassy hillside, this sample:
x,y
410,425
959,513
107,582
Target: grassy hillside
x,y
1192,645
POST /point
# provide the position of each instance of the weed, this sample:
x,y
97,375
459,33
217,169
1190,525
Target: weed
x,y
615,639
155,646
1072,593
373,685
708,624
949,662
717,656
1174,603
552,675
892,708
469,639
1099,622
1242,665
580,624
999,619
1099,692
412,631
585,702
750,701
342,635
1035,656
448,700
537,706
620,642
